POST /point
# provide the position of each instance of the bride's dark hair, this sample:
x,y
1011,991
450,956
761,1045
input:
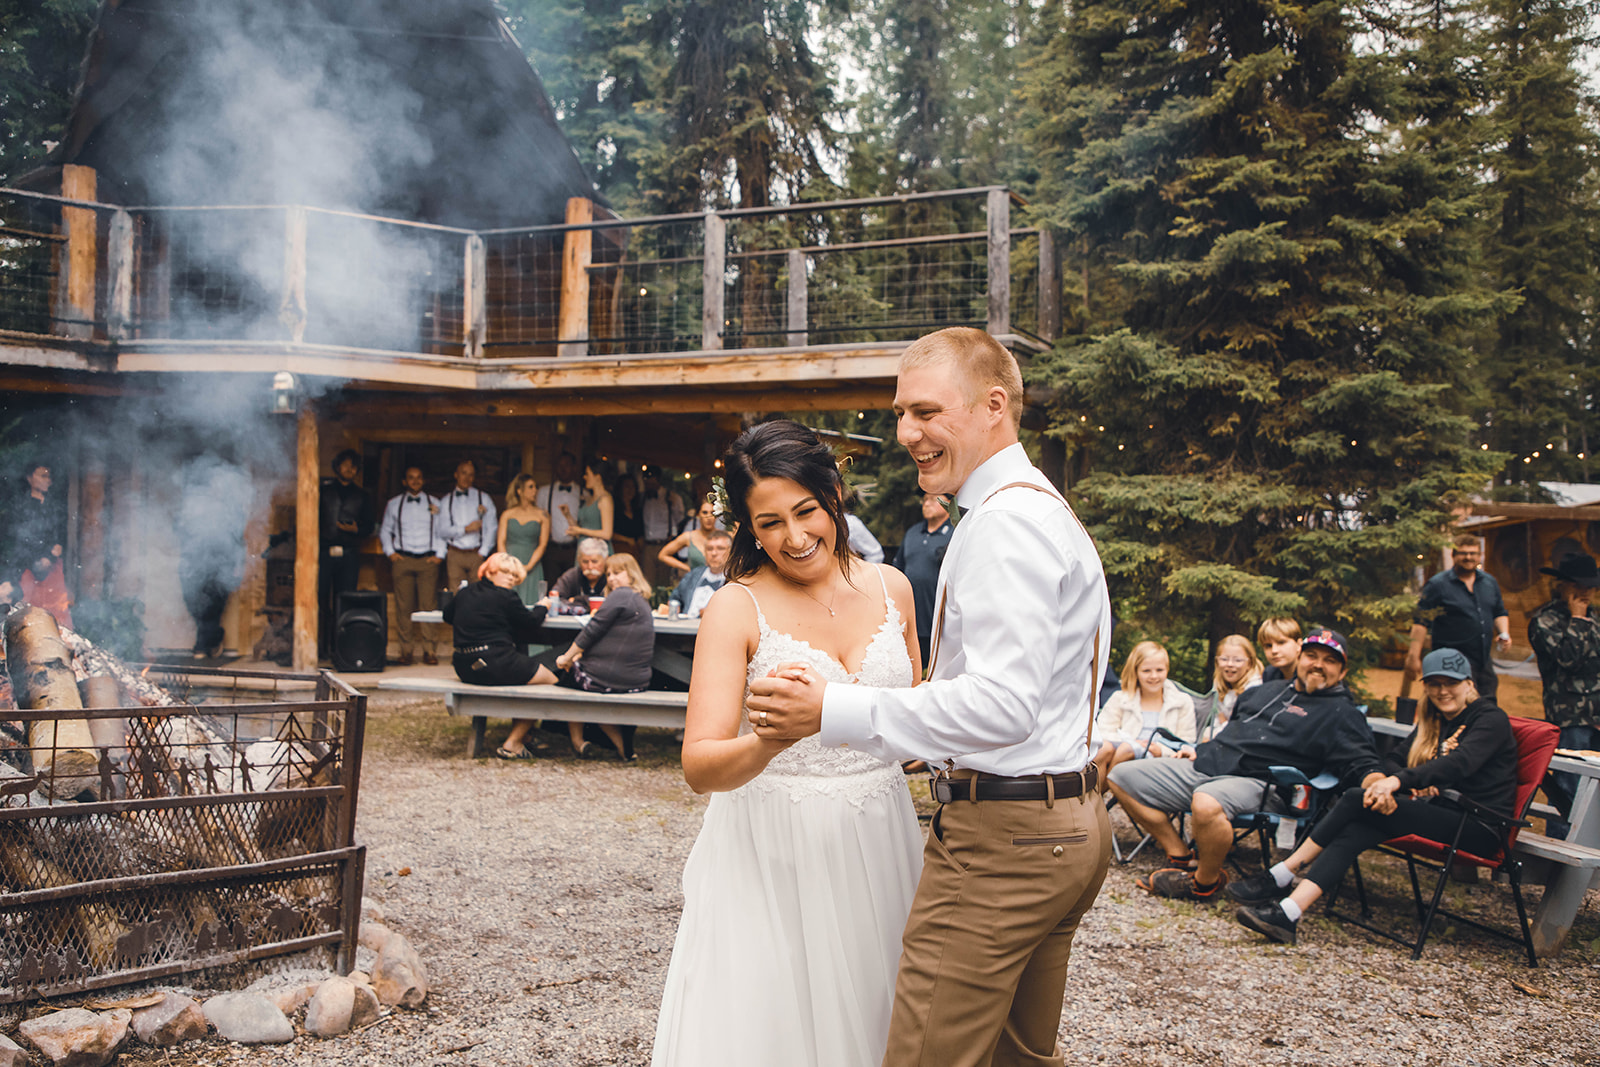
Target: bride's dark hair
x,y
781,449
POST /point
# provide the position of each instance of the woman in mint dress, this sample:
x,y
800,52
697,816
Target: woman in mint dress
x,y
525,534
595,516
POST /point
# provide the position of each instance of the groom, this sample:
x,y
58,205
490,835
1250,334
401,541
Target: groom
x,y
1019,846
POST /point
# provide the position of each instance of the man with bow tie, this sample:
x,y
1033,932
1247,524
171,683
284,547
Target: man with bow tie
x,y
413,538
695,591
561,495
469,528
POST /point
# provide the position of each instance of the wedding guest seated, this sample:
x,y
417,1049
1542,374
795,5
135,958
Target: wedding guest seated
x,y
1147,700
1462,741
1310,724
695,591
1237,669
492,624
1280,647
587,579
612,654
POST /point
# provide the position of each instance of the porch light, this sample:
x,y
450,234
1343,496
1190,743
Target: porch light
x,y
285,394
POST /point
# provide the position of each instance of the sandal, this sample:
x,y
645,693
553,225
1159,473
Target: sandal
x,y
587,750
507,754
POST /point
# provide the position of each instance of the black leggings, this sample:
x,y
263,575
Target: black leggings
x,y
1350,829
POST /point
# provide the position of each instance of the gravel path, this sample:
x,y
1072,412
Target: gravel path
x,y
544,899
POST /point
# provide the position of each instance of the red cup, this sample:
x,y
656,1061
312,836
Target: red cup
x,y
595,602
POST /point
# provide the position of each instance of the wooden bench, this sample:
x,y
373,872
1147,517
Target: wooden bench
x,y
481,702
1566,869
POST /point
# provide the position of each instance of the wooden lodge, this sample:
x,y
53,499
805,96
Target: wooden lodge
x,y
470,298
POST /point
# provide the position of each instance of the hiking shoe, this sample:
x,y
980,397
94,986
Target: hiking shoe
x,y
1175,884
1269,921
1257,889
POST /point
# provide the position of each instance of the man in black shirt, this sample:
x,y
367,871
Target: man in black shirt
x,y
921,554
1310,723
346,521
1461,608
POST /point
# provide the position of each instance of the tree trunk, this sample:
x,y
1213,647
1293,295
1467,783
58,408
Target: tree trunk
x,y
41,671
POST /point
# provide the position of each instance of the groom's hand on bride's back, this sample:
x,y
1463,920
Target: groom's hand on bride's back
x,y
786,704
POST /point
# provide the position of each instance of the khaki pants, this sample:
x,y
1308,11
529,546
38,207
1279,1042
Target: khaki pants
x,y
460,565
416,582
984,964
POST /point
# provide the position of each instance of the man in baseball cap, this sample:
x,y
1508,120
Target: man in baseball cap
x,y
1566,639
1310,723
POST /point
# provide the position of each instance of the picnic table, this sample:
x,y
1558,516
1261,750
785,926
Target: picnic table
x,y
1568,867
674,639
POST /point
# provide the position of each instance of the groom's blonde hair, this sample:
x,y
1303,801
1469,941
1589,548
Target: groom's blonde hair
x,y
983,362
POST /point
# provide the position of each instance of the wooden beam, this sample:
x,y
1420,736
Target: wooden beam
x,y
712,293
798,311
474,296
572,330
392,409
292,308
851,367
92,529
999,261
1049,287
119,274
76,305
1508,510
307,539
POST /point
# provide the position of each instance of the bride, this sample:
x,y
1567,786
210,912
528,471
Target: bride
x,y
797,890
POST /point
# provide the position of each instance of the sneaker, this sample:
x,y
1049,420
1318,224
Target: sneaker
x,y
1257,889
1176,884
1269,921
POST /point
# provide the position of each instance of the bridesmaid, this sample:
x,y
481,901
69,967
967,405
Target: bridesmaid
x,y
525,534
594,518
693,539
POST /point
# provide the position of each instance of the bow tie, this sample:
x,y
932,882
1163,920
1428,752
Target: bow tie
x,y
413,500
566,487
461,492
714,579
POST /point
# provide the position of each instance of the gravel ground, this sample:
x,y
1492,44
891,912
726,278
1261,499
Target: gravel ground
x,y
544,899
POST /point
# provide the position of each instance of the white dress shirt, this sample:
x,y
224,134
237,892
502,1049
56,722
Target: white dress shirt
x,y
862,543
411,525
459,509
551,496
1013,686
657,519
702,593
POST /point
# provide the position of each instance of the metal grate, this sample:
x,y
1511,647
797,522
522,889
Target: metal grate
x,y
31,248
216,833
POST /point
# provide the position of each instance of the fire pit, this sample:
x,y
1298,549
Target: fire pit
x,y
208,833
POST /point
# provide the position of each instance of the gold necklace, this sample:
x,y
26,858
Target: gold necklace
x,y
831,599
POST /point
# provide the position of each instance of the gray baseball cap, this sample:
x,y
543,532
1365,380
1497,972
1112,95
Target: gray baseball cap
x,y
1446,663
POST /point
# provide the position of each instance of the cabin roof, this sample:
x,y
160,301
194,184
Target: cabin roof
x,y
421,109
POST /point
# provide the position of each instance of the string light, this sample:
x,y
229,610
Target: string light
x,y
1484,447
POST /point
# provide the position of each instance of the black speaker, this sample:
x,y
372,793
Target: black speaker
x,y
361,634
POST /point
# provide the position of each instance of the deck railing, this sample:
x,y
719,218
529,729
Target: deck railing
x,y
841,272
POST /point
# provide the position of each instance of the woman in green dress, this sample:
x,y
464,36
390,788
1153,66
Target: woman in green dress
x,y
693,540
525,534
595,516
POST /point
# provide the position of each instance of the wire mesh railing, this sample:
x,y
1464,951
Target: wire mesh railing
x,y
840,272
194,835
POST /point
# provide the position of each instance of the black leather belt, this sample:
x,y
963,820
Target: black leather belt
x,y
417,555
474,649
1031,787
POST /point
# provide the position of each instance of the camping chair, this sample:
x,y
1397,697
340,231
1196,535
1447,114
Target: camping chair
x,y
1536,743
1265,821
1205,710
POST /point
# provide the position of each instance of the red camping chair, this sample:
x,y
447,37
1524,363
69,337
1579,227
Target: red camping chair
x,y
1536,743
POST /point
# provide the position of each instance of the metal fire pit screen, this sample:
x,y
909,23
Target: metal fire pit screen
x,y
218,832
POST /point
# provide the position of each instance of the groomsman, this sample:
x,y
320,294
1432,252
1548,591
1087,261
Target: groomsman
x,y
564,488
469,528
413,539
1019,846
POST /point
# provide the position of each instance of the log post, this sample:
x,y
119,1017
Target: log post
x,y
999,261
576,255
119,276
1049,288
712,295
92,530
42,677
292,309
75,304
307,540
474,296
797,309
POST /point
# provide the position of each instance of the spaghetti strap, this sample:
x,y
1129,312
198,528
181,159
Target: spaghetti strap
x,y
891,611
761,618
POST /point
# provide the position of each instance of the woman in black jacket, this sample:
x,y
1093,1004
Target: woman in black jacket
x,y
492,625
1462,741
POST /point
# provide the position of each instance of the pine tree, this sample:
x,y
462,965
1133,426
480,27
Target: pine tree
x,y
1540,403
41,50
1272,424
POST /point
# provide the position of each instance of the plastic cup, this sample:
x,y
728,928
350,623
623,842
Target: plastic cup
x,y
595,602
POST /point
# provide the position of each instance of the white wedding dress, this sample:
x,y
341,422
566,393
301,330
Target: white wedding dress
x,y
796,895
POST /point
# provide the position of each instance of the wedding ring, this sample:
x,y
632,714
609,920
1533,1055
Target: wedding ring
x,y
763,718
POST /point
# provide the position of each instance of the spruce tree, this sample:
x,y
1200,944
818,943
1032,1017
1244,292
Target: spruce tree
x,y
1269,416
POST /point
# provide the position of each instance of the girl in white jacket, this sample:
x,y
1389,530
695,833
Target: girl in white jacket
x,y
1146,701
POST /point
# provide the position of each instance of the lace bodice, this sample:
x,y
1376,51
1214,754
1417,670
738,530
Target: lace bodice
x,y
807,767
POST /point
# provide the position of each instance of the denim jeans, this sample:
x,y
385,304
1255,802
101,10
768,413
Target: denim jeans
x,y
1562,786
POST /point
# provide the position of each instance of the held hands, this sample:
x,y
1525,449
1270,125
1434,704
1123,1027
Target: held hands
x,y
786,704
1380,795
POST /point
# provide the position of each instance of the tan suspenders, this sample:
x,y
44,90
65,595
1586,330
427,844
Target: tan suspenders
x,y
938,621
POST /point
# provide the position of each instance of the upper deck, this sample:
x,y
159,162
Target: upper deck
x,y
807,305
